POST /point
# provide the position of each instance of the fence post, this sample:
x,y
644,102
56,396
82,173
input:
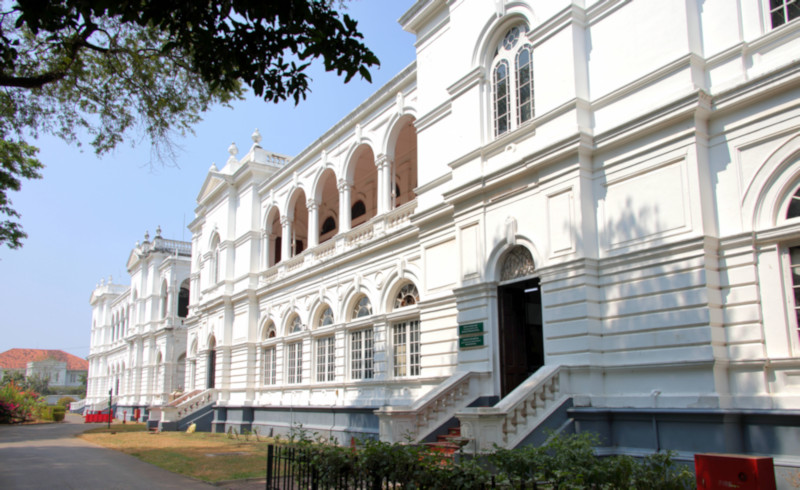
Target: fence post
x,y
270,457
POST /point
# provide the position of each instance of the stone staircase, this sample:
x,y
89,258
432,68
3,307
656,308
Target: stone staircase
x,y
180,412
448,444
518,414
415,422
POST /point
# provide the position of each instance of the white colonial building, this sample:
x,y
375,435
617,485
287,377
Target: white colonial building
x,y
565,214
138,345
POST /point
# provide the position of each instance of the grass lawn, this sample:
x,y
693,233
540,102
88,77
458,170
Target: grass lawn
x,y
205,456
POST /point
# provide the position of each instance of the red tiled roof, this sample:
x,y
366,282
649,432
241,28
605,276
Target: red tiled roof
x,y
19,358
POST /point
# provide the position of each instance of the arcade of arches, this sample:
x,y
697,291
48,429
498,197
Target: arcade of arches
x,y
370,187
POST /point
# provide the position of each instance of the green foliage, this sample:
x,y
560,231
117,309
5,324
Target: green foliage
x,y
78,68
17,404
59,413
375,462
16,377
38,382
563,462
64,401
570,462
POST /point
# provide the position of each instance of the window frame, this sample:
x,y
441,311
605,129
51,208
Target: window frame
x,y
411,358
784,4
508,57
364,372
269,365
294,363
325,357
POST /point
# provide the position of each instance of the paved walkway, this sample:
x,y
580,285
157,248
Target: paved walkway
x,y
50,456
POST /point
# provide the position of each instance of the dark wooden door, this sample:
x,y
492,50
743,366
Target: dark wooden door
x,y
521,342
212,368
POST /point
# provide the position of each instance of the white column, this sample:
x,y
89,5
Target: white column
x,y
384,165
313,223
286,239
344,206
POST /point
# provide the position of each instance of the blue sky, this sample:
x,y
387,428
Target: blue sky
x,y
85,215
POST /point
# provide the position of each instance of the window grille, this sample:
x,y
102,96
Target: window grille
x,y
361,354
326,359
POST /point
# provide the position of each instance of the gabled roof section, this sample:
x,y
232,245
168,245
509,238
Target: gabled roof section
x,y
19,358
258,159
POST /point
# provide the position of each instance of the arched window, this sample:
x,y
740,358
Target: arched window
x,y
326,317
358,210
183,299
517,263
512,90
501,96
524,77
407,296
793,210
269,331
328,225
362,308
295,325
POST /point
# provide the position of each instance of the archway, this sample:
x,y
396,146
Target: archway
x,y
363,199
328,199
405,165
519,302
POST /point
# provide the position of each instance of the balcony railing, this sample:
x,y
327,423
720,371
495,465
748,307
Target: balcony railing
x,y
374,229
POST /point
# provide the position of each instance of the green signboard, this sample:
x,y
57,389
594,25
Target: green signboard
x,y
470,328
467,342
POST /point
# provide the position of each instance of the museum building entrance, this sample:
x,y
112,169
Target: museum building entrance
x,y
521,341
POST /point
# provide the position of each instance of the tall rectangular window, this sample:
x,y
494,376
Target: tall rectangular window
x,y
783,11
270,364
405,348
294,363
326,359
794,259
361,354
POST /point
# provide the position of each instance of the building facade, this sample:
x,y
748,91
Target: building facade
x,y
574,214
138,343
61,369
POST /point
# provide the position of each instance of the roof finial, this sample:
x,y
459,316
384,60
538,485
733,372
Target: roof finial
x,y
146,236
233,150
158,231
256,137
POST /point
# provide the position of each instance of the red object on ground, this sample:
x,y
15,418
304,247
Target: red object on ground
x,y
727,471
136,414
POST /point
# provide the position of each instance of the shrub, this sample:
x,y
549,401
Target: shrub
x,y
570,462
16,404
58,413
64,401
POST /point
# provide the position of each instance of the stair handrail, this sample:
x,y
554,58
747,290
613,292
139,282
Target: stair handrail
x,y
415,421
195,403
542,391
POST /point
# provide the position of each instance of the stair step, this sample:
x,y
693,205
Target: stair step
x,y
444,447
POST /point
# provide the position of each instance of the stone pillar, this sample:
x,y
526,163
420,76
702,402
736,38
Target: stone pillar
x,y
385,201
313,223
286,239
344,206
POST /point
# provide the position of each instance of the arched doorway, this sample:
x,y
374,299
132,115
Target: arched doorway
x,y
212,363
519,301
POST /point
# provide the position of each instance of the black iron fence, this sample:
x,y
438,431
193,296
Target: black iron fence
x,y
303,466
